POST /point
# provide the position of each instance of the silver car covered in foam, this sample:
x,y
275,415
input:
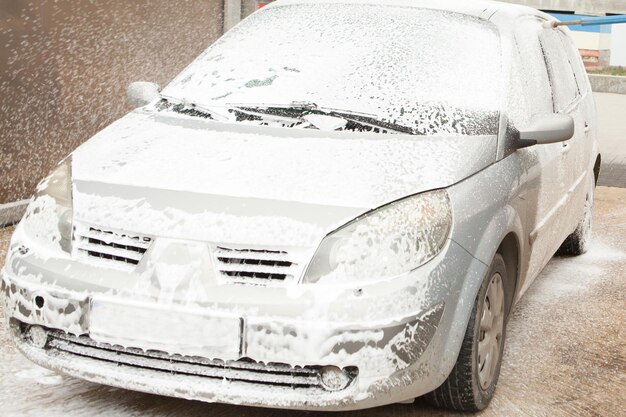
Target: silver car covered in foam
x,y
334,207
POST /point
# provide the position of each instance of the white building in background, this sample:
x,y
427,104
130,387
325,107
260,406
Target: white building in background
x,y
618,45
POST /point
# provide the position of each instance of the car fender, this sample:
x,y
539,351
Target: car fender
x,y
486,208
489,205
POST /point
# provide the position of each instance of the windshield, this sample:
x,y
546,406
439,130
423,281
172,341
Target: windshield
x,y
436,72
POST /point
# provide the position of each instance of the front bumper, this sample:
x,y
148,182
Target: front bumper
x,y
391,357
73,352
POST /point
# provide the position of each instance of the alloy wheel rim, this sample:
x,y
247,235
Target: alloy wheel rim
x,y
491,327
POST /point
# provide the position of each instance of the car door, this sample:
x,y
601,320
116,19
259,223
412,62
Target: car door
x,y
567,99
551,228
582,144
541,90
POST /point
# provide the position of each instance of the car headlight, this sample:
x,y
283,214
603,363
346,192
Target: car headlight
x,y
58,186
385,243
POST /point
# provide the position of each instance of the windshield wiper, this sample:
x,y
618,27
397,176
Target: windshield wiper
x,y
263,113
293,114
189,109
297,110
373,123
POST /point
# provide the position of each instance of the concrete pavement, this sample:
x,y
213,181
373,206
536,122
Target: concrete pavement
x,y
565,350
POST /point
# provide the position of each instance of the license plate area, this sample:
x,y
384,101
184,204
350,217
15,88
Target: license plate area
x,y
171,329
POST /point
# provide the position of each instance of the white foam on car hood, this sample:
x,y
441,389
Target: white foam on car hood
x,y
150,172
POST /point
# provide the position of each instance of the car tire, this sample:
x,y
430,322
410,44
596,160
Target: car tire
x,y
578,242
472,382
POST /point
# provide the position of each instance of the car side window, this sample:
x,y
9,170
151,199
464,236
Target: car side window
x,y
562,80
575,62
530,93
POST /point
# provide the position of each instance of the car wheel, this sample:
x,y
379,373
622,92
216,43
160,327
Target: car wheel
x,y
578,242
472,382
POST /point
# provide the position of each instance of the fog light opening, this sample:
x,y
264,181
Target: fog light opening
x,y
334,378
39,301
37,336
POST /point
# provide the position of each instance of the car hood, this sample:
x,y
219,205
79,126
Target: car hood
x,y
187,178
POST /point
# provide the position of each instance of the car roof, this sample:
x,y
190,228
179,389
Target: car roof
x,y
499,13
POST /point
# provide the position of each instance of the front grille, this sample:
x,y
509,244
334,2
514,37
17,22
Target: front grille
x,y
255,265
105,245
246,371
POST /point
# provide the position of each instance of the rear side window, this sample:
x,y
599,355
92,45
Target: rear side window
x,y
562,80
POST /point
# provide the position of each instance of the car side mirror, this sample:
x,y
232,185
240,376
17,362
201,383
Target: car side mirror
x,y
547,128
141,93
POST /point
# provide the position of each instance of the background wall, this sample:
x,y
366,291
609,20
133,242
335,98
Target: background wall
x,y
618,45
65,66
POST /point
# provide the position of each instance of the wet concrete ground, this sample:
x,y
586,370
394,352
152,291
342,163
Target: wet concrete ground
x,y
565,351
